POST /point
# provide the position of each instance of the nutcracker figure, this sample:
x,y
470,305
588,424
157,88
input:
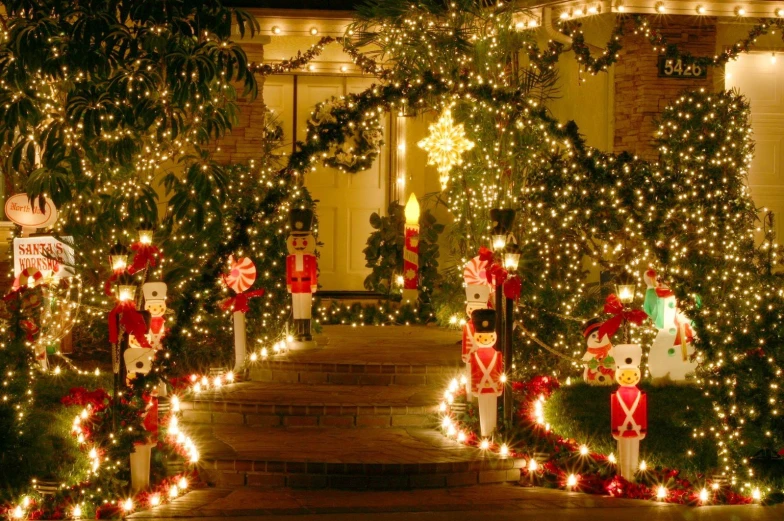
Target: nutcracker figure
x,y
477,296
155,303
301,271
599,363
487,367
628,408
672,349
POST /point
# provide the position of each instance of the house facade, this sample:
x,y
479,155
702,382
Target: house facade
x,y
615,110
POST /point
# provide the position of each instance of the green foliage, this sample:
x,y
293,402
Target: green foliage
x,y
384,252
96,97
582,412
382,312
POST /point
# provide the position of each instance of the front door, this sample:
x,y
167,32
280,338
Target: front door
x,y
345,201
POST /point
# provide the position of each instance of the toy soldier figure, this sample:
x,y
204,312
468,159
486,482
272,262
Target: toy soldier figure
x,y
628,408
477,291
487,367
301,271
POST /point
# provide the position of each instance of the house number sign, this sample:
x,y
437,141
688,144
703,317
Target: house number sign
x,y
675,68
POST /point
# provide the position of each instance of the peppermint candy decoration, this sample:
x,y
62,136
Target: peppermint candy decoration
x,y
25,276
242,274
474,272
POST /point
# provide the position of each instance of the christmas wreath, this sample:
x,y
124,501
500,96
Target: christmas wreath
x,y
352,145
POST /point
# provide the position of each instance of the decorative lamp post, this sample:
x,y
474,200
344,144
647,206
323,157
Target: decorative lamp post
x,y
511,262
411,251
625,289
125,293
146,232
118,257
501,220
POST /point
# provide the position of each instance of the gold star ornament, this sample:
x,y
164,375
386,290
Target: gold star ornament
x,y
445,145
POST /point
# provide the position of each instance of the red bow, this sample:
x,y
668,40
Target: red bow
x,y
512,288
131,320
614,306
664,292
496,274
485,254
239,302
107,287
145,254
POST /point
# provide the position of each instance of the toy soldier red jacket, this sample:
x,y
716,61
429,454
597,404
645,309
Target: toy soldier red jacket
x,y
301,272
156,325
629,413
487,366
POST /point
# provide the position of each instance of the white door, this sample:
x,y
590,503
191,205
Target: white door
x,y
761,79
345,201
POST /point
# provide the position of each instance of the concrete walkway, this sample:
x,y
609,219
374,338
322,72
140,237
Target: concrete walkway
x,y
490,502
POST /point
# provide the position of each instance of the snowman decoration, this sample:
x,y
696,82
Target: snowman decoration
x,y
672,349
477,295
487,368
598,358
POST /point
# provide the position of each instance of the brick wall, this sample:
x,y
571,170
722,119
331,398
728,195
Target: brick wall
x,y
244,142
640,95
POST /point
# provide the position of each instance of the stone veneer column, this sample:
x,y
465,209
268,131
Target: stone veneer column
x,y
640,94
245,140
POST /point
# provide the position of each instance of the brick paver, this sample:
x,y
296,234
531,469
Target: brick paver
x,y
405,345
498,502
330,445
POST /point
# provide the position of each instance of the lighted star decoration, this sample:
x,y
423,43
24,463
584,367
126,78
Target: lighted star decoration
x,y
445,145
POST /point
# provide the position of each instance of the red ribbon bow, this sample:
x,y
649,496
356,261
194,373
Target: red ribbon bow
x,y
131,320
107,286
614,306
512,288
485,254
496,274
239,302
145,254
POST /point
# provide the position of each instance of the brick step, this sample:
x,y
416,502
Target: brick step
x,y
353,374
323,457
285,404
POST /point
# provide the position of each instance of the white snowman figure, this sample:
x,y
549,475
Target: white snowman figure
x,y
598,357
672,349
155,303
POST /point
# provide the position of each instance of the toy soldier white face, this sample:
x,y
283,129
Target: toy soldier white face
x,y
301,243
627,364
484,324
155,298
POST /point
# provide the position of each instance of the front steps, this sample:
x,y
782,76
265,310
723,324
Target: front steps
x,y
359,414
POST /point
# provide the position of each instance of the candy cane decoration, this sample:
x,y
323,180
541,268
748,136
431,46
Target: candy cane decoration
x,y
242,274
241,277
26,274
474,272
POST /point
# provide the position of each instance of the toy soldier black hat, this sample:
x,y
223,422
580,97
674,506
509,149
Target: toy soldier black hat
x,y
501,220
301,221
483,320
590,325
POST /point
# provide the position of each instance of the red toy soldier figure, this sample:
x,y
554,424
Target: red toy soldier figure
x,y
477,295
301,272
487,367
628,408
